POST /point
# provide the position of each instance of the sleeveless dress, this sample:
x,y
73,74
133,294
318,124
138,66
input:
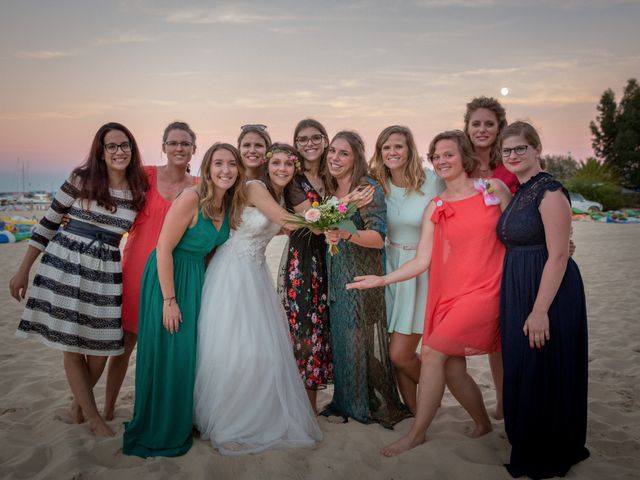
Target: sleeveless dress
x,y
462,316
406,301
364,382
165,362
74,303
545,389
248,393
142,239
302,287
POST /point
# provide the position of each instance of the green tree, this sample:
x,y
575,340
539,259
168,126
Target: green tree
x,y
596,181
616,133
560,166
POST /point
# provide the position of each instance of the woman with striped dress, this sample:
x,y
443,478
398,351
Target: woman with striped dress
x,y
74,303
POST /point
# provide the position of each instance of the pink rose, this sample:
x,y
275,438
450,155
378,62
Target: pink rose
x,y
312,215
342,208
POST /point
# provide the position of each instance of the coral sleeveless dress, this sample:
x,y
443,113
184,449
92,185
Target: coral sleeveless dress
x,y
142,240
462,316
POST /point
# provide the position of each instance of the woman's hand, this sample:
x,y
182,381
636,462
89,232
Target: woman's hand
x,y
333,237
171,317
537,328
18,285
361,196
366,281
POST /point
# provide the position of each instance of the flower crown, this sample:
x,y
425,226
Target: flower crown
x,y
291,156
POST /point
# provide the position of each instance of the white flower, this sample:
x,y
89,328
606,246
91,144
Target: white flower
x,y
312,215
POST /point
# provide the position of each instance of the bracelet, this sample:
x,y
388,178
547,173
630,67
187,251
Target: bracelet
x,y
168,299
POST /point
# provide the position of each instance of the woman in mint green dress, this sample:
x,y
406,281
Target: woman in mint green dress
x,y
198,221
408,189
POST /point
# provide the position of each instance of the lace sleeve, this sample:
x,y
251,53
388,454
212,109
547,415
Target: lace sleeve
x,y
551,185
374,214
48,226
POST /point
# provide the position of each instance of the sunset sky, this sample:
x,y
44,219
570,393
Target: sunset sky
x,y
67,67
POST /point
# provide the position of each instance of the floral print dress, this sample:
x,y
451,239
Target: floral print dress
x,y
302,286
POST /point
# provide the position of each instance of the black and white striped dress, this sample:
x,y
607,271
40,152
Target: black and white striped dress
x,y
74,302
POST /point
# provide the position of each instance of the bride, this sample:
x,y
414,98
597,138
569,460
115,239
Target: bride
x,y
248,394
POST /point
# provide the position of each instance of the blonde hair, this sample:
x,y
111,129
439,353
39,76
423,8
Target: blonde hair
x,y
234,198
468,157
413,169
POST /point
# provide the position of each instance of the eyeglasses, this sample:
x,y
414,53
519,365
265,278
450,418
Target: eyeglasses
x,y
113,147
314,139
259,126
174,144
519,149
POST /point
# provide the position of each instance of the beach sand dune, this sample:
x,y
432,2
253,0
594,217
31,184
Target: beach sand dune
x,y
38,441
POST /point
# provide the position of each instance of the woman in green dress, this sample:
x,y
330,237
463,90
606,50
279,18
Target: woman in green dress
x,y
198,221
364,383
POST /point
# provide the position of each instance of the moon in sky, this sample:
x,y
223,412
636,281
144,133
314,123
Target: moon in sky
x,y
504,91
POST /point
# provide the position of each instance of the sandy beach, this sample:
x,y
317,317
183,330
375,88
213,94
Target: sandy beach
x,y
38,441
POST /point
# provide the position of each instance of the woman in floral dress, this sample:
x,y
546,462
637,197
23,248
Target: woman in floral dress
x,y
303,279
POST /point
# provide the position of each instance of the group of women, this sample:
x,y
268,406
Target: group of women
x,y
427,263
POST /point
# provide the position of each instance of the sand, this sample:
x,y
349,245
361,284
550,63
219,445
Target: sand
x,y
37,440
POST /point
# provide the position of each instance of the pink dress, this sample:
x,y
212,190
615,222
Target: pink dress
x,y
142,239
462,315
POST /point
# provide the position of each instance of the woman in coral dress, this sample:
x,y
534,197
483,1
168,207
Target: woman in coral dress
x,y
165,184
462,316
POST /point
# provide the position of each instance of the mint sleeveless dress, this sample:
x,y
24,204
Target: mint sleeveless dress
x,y
165,363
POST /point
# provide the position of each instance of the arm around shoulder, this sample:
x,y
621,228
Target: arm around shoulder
x,y
259,197
502,192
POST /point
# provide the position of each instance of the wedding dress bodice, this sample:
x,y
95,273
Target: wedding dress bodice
x,y
252,236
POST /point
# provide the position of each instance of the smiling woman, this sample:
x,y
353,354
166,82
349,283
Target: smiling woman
x,y
198,221
248,394
365,388
74,304
165,184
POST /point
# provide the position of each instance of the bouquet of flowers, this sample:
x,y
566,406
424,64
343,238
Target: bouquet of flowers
x,y
329,214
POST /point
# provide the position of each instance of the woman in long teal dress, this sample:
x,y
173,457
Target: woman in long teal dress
x,y
364,382
197,222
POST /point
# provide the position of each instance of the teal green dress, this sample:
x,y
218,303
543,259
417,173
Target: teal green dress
x,y
165,363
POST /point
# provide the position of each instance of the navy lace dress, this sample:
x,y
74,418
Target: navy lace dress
x,y
545,390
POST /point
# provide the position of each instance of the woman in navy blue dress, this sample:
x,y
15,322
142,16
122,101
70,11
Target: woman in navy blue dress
x,y
543,319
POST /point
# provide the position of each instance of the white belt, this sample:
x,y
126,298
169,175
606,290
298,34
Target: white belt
x,y
400,246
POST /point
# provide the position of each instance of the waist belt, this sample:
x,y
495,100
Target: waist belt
x,y
400,246
95,233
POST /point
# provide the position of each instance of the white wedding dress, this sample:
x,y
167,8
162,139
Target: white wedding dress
x,y
248,394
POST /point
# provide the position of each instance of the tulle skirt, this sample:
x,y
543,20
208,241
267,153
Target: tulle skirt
x,y
248,394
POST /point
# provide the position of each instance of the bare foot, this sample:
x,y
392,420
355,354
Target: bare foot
x,y
76,412
336,419
480,430
108,414
405,443
100,428
498,414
